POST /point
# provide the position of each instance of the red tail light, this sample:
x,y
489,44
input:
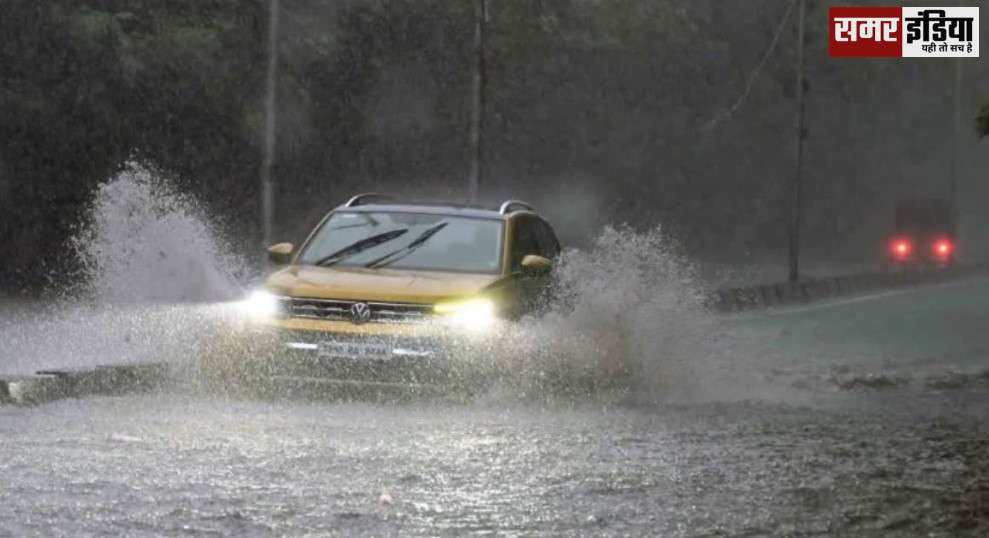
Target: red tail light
x,y
901,248
943,248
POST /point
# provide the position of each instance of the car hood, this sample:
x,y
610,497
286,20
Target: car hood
x,y
382,285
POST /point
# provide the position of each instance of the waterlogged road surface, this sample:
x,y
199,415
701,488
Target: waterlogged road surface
x,y
865,417
170,466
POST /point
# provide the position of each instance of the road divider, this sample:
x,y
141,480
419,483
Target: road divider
x,y
48,385
740,298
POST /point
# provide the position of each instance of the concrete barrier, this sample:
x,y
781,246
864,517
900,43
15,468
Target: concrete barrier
x,y
740,298
29,389
48,385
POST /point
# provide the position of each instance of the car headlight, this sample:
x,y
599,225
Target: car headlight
x,y
261,304
473,314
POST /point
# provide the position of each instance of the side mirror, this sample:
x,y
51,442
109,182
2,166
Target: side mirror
x,y
281,254
534,265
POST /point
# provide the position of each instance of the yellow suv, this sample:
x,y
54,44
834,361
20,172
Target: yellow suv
x,y
384,292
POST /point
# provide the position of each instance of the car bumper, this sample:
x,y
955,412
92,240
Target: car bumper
x,y
339,354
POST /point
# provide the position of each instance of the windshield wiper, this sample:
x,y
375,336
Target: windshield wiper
x,y
396,255
360,246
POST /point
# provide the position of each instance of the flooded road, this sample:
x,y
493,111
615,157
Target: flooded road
x,y
837,427
169,465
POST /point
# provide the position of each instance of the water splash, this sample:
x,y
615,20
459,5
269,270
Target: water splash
x,y
628,312
155,274
145,242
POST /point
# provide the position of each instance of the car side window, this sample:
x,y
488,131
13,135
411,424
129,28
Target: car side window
x,y
524,241
549,246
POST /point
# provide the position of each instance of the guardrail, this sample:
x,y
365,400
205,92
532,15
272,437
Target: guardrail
x,y
816,289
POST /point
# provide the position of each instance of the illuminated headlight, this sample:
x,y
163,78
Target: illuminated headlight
x,y
474,314
261,304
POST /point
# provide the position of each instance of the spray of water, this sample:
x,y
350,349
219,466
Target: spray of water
x,y
145,242
154,279
627,313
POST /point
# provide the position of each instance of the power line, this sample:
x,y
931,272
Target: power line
x,y
750,80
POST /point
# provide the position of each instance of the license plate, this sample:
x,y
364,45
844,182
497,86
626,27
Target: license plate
x,y
355,350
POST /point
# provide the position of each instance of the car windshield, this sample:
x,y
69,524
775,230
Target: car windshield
x,y
406,241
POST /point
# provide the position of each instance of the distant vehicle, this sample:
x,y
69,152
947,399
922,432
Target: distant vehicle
x,y
924,233
387,293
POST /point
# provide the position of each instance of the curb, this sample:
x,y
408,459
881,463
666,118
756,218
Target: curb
x,y
29,389
49,385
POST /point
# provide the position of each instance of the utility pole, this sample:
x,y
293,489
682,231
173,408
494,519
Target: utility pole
x,y
268,156
477,102
798,171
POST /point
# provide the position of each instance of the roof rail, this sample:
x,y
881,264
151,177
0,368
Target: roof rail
x,y
513,205
365,198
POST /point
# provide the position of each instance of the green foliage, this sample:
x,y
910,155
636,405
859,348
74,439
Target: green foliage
x,y
92,28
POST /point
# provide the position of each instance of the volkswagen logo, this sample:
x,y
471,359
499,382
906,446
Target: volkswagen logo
x,y
360,313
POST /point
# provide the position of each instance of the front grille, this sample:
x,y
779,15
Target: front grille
x,y
339,310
